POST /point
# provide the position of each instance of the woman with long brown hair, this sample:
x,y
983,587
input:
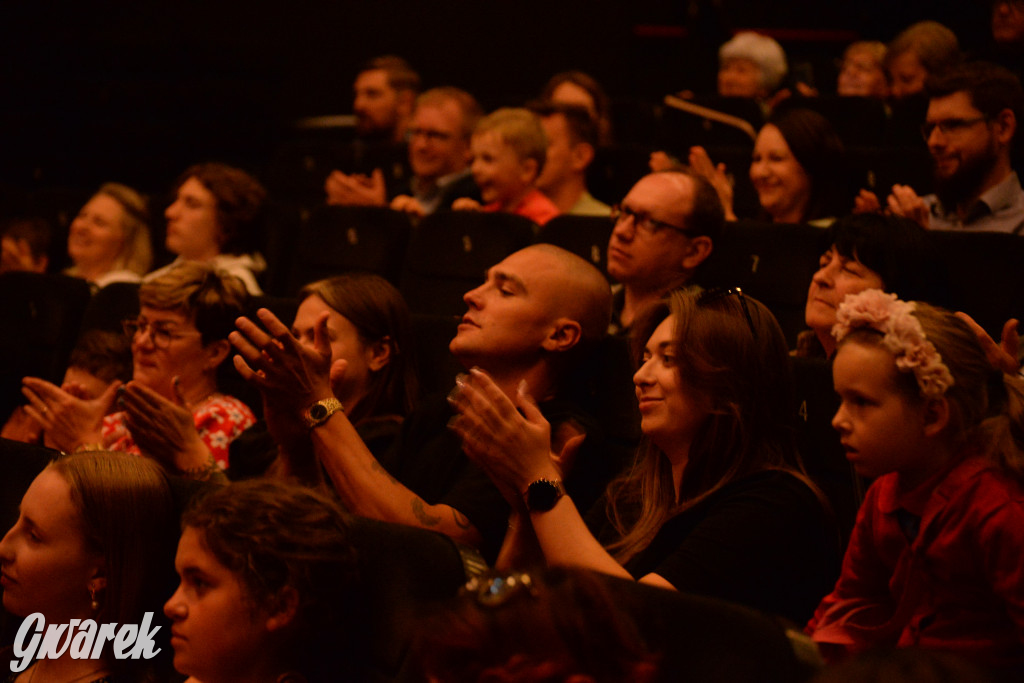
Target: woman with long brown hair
x,y
716,501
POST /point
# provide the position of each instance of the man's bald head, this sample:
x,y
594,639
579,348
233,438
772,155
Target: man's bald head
x,y
580,291
536,301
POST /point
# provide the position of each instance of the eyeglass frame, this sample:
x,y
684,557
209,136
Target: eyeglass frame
x,y
432,135
950,126
131,327
709,295
644,223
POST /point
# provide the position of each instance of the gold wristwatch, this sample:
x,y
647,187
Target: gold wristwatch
x,y
321,411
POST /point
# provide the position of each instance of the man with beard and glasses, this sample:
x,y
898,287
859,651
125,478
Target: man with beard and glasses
x,y
973,112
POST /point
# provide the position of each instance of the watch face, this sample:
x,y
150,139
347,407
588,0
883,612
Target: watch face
x,y
542,495
318,412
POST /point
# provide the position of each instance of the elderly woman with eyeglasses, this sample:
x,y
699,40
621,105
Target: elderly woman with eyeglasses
x,y
171,410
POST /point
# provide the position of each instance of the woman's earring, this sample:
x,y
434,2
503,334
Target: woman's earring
x,y
95,604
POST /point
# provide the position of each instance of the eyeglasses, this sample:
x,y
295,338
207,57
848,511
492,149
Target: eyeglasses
x,y
709,295
494,590
431,135
949,126
161,334
643,221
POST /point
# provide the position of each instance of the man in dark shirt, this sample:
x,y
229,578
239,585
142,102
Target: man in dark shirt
x,y
531,321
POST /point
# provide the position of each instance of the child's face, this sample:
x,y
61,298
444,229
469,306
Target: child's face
x,y
217,635
499,172
880,427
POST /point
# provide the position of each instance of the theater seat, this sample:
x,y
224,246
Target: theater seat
x,y
772,262
40,315
337,239
585,236
450,253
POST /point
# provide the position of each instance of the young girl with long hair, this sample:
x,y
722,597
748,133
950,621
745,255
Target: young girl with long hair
x,y
935,557
94,541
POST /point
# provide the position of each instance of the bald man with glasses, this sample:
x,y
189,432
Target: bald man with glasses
x,y
665,228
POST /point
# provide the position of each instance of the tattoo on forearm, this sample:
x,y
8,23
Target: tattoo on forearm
x,y
461,520
425,518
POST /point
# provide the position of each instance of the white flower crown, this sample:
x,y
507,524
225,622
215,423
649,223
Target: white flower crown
x,y
903,336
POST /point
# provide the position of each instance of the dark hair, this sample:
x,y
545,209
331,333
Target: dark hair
x,y
275,536
211,298
820,152
105,354
401,76
897,249
708,216
581,126
379,313
536,628
602,103
239,204
34,230
739,369
991,87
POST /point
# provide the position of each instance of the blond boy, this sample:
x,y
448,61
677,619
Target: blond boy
x,y
509,149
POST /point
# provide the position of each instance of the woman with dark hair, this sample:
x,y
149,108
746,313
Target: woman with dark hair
x,y
867,251
93,542
215,218
716,502
583,90
798,170
553,626
266,572
172,409
366,324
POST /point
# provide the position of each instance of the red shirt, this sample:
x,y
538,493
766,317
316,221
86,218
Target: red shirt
x,y
535,206
958,586
219,420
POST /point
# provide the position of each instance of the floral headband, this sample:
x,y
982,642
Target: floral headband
x,y
904,337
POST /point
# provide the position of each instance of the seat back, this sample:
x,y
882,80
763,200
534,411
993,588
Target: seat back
x,y
337,239
986,276
39,320
451,251
585,236
772,262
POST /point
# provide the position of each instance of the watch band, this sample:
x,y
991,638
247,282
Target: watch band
x,y
318,413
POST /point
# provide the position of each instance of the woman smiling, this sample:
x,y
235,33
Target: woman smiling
x,y
171,410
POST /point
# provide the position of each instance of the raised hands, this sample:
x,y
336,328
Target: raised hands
x,y
164,430
410,205
1004,355
510,441
906,203
356,189
68,420
287,372
718,176
903,201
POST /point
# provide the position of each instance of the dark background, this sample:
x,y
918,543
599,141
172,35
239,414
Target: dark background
x,y
136,91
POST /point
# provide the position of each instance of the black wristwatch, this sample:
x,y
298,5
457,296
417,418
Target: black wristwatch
x,y
543,494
